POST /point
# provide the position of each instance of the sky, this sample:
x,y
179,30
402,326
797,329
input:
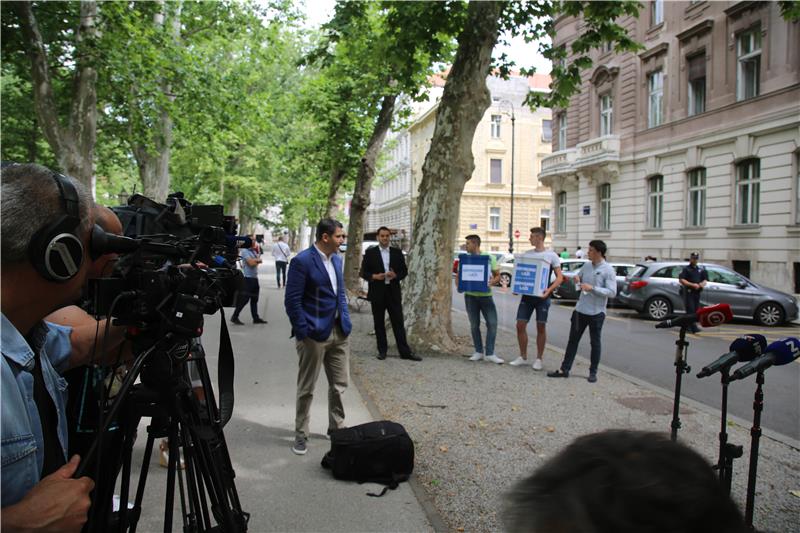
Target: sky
x,y
523,54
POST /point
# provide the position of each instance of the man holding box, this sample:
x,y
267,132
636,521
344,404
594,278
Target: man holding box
x,y
540,304
479,302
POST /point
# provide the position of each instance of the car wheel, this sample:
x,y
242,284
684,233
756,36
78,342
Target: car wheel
x,y
505,279
658,308
770,314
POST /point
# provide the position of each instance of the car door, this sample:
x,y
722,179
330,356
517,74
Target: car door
x,y
726,286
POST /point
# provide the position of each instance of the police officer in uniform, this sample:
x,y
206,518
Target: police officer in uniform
x,y
692,278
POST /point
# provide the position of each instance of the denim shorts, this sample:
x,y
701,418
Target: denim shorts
x,y
530,303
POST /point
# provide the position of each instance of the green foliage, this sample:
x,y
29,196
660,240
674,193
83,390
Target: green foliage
x,y
790,10
535,21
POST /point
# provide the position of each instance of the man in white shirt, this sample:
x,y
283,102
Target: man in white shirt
x,y
540,304
579,253
280,252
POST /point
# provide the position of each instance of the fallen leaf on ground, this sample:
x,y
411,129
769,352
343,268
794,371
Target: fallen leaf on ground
x,y
550,429
443,449
514,408
795,493
482,424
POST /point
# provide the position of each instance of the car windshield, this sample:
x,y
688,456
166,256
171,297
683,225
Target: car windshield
x,y
638,271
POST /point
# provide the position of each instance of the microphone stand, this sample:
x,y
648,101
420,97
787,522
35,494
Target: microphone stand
x,y
727,452
755,435
681,368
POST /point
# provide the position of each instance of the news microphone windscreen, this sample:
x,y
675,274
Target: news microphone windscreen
x,y
238,241
749,346
714,315
785,350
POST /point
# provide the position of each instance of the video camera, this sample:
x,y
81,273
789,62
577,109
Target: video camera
x,y
177,263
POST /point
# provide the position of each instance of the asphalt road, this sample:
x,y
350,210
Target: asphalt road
x,y
633,346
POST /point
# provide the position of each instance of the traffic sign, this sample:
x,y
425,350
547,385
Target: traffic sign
x,y
516,234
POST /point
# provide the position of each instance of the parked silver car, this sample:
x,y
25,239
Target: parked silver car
x,y
568,291
653,290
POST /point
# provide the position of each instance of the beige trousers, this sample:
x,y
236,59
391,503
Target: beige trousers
x,y
334,355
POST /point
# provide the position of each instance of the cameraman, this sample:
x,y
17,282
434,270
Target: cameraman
x,y
46,228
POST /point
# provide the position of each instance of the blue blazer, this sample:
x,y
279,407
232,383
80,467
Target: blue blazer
x,y
310,301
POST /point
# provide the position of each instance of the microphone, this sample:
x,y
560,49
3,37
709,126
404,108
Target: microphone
x,y
744,348
238,241
710,316
778,353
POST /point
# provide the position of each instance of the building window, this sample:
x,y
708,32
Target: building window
x,y
655,84
604,193
797,189
656,12
697,84
562,131
696,203
496,119
494,218
748,191
655,202
606,114
547,131
496,171
748,53
561,204
544,219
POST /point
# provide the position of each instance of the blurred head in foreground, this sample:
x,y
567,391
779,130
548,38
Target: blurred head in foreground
x,y
621,481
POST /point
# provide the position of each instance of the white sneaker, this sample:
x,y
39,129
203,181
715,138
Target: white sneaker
x,y
537,365
519,361
477,356
494,359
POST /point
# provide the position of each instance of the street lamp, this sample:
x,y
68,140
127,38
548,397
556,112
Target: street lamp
x,y
513,134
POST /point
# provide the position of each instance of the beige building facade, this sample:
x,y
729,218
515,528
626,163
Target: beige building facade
x,y
485,207
691,144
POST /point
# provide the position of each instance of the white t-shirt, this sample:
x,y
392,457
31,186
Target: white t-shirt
x,y
580,254
548,256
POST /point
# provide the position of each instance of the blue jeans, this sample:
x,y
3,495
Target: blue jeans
x,y
578,324
477,305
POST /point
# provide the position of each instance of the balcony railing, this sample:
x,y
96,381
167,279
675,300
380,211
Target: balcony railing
x,y
593,153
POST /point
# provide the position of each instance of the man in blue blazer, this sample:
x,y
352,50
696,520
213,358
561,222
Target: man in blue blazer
x,y
316,303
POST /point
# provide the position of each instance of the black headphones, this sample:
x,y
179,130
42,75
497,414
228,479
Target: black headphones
x,y
56,250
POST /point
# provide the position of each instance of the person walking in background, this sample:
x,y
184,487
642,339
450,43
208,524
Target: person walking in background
x,y
693,279
540,304
598,283
384,267
579,253
280,252
564,254
316,303
250,261
478,303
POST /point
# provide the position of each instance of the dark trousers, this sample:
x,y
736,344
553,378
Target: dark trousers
x,y
249,292
280,270
691,302
578,324
395,309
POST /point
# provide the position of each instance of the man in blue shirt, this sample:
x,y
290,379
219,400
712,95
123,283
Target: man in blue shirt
x,y
598,283
251,258
46,228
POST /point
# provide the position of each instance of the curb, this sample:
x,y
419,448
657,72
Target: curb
x,y
431,513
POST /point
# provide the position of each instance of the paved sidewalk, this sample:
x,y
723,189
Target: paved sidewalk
x,y
283,491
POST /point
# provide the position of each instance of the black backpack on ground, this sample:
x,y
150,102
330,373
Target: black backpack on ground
x,y
375,452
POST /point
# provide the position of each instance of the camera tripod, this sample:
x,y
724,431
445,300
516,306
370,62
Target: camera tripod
x,y
208,497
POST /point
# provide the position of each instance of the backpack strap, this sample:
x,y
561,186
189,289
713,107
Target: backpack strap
x,y
392,485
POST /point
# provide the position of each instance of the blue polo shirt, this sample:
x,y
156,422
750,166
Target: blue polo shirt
x,y
22,439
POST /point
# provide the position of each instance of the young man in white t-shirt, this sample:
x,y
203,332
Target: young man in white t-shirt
x,y
529,304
